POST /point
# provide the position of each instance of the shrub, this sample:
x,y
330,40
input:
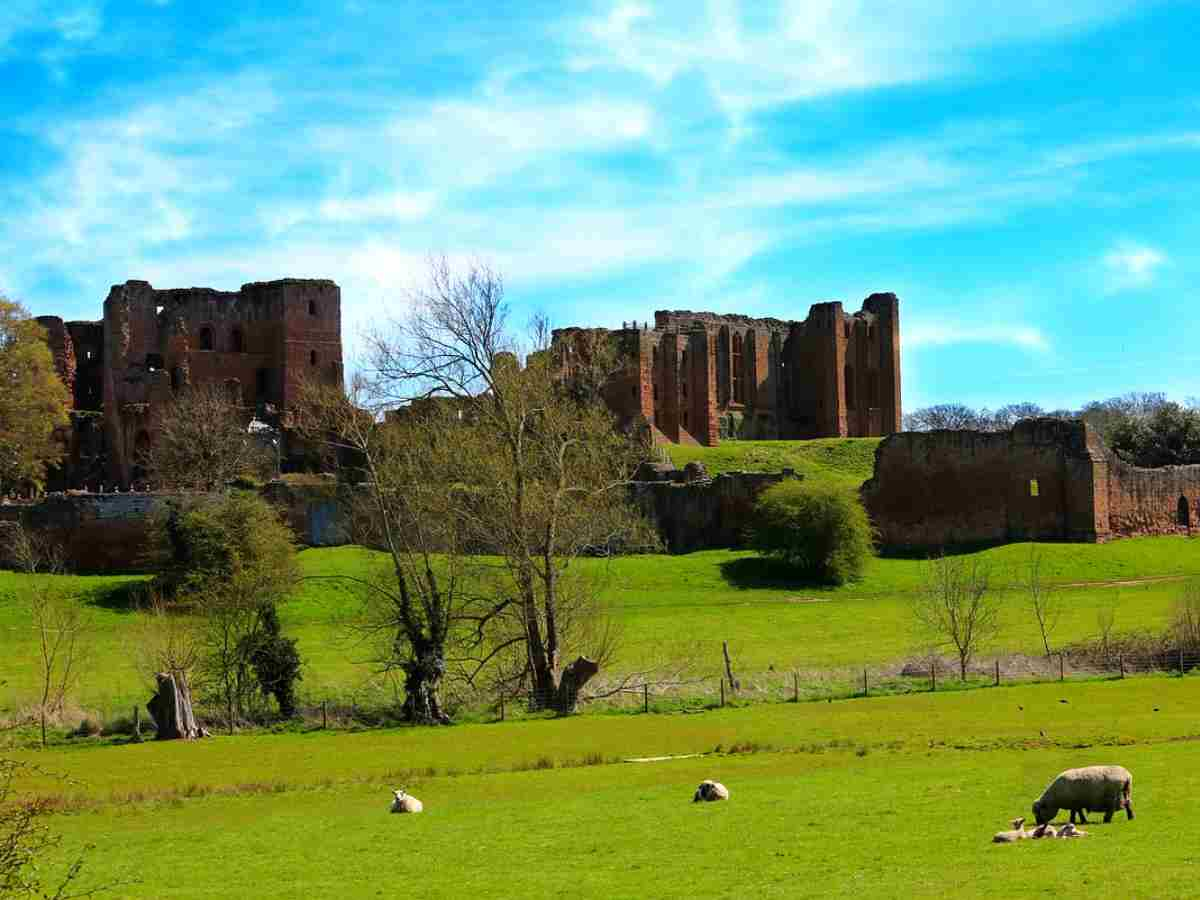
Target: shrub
x,y
819,530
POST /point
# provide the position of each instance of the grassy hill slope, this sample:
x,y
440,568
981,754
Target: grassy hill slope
x,y
848,461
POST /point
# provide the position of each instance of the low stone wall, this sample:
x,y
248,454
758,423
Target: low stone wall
x,y
108,532
1045,479
702,513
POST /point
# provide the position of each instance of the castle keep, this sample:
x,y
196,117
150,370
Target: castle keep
x,y
260,341
699,378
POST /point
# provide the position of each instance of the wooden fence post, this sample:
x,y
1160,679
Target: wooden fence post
x,y
933,676
1062,668
997,673
1180,662
866,690
722,690
645,698
1121,663
795,687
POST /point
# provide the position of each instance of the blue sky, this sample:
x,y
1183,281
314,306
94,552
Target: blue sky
x,y
1022,173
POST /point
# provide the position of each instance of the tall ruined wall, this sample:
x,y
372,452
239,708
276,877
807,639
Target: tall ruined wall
x,y
262,341
700,377
941,488
702,515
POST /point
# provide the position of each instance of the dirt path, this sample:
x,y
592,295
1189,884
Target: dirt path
x,y
1153,579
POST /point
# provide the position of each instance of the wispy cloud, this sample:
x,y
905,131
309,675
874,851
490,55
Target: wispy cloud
x,y
1131,265
942,334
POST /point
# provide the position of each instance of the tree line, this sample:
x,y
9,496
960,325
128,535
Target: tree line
x,y
1144,429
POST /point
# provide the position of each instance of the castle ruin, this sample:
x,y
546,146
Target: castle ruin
x,y
260,341
700,378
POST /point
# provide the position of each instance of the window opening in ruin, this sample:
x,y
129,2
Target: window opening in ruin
x,y
656,393
633,391
683,359
87,354
154,362
260,384
235,341
206,338
1184,513
739,381
849,374
312,357
158,310
312,308
685,421
1033,487
683,388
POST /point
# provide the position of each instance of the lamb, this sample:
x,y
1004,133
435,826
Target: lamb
x,y
1017,834
1044,831
710,790
406,803
1097,788
1070,831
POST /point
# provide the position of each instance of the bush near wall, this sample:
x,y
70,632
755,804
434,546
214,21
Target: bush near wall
x,y
820,531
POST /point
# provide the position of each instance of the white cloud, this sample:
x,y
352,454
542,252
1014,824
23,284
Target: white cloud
x,y
941,334
1132,265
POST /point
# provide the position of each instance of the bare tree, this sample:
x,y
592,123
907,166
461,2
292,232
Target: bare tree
x,y
32,551
1106,620
956,606
59,624
203,442
425,612
545,467
1185,617
1044,602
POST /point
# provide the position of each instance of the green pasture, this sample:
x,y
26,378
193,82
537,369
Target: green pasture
x,y
848,461
890,797
671,608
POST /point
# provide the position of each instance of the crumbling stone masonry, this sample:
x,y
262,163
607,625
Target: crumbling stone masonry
x,y
1045,479
260,342
700,378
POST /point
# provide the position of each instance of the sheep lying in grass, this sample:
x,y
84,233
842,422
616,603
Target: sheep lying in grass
x,y
1097,788
1018,833
710,790
1043,831
406,803
1070,831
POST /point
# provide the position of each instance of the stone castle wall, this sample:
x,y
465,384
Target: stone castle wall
x,y
699,377
109,532
1045,479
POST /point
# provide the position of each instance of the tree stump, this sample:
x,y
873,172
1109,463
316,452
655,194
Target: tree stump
x,y
171,708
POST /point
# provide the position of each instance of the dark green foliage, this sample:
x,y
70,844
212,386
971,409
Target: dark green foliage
x,y
821,531
200,543
276,661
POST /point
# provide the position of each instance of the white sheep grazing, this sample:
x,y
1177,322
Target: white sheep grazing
x,y
406,803
1017,834
1070,831
1103,789
710,790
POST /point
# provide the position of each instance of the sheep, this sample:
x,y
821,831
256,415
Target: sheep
x,y
710,790
1070,831
406,803
1017,834
1097,788
1043,831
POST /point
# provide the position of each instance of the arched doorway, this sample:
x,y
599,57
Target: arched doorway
x,y
1183,513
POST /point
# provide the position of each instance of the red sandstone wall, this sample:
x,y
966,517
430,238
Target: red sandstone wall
x,y
1148,501
941,488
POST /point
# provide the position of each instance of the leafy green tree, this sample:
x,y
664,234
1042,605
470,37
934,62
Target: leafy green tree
x,y
33,401
821,531
276,662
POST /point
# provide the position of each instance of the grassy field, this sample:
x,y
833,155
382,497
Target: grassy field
x,y
848,461
879,797
670,607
